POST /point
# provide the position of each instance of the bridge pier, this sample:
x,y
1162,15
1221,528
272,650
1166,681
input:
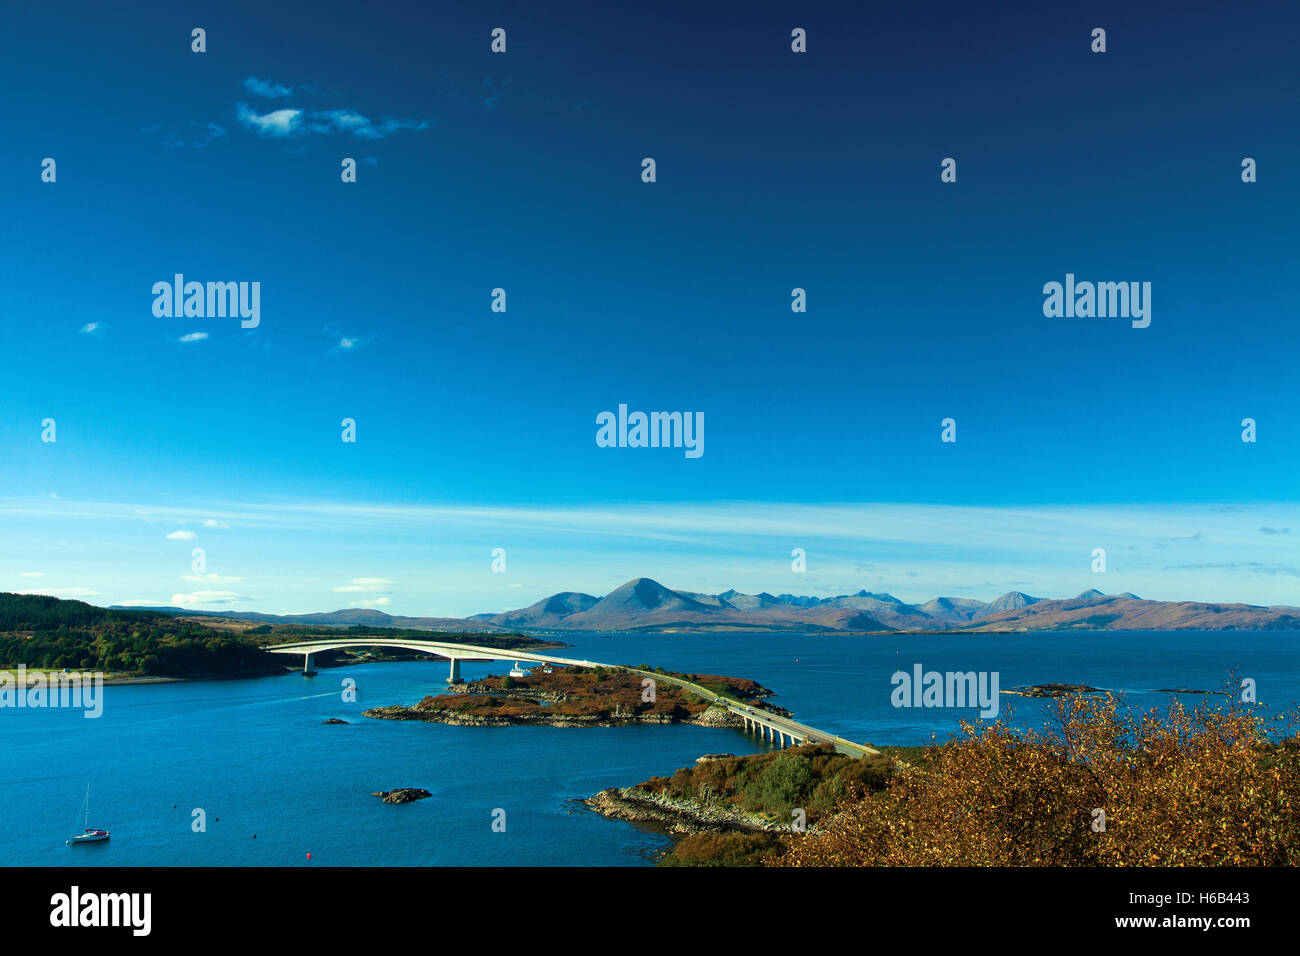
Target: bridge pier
x,y
454,677
308,665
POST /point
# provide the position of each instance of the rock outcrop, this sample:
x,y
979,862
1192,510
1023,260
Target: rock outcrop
x,y
676,816
402,795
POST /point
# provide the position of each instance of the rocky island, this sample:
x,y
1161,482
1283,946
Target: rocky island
x,y
1053,690
572,696
402,795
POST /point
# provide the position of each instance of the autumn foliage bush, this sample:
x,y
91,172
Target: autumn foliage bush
x,y
1207,786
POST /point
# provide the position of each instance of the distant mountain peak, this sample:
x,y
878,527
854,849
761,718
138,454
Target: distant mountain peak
x,y
643,604
887,598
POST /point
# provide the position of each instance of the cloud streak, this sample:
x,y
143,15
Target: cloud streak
x,y
295,547
296,122
266,88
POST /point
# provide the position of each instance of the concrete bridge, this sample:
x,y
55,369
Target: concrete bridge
x,y
781,731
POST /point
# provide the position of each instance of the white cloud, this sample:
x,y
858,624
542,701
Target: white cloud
x,y
267,88
209,597
347,341
91,327
373,602
194,337
31,574
64,592
210,578
291,121
371,585
181,536
276,123
212,523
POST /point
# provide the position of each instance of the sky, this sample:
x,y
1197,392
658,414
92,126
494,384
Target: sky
x,y
476,429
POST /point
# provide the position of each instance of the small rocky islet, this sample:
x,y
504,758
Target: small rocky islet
x,y
581,697
1071,690
402,795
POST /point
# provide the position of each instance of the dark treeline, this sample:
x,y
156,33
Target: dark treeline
x,y
42,631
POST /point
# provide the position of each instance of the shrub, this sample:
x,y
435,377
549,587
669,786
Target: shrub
x,y
781,786
723,849
1201,788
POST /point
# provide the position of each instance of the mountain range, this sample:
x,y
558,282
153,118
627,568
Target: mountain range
x,y
644,604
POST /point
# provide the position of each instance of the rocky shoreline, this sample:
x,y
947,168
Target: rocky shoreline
x,y
636,805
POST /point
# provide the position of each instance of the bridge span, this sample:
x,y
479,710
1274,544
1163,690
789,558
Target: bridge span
x,y
767,725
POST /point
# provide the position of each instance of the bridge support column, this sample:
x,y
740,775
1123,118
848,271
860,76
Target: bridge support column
x,y
308,665
454,677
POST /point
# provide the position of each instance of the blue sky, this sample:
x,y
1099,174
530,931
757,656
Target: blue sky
x,y
522,171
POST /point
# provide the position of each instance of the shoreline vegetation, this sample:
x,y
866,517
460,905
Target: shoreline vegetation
x,y
1101,786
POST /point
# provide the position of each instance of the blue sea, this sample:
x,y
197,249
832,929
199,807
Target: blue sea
x,y
277,785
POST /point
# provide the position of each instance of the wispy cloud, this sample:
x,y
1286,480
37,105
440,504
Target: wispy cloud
x,y
346,341
92,328
916,551
1253,567
210,578
64,592
181,536
190,136
267,88
368,585
194,337
295,122
209,598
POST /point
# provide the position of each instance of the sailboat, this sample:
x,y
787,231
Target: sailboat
x,y
91,834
